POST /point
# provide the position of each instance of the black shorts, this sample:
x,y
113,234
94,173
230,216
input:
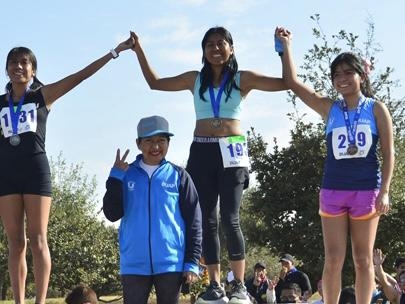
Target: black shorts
x,y
28,175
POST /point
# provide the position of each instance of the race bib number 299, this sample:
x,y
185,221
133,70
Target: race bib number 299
x,y
340,142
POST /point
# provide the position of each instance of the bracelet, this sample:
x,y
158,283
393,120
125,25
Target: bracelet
x,y
114,53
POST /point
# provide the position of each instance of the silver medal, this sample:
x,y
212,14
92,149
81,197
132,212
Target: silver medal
x,y
15,140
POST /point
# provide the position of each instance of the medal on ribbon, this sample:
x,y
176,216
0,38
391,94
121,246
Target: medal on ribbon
x,y
216,101
15,139
352,148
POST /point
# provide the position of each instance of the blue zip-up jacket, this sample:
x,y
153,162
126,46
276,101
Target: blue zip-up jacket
x,y
160,229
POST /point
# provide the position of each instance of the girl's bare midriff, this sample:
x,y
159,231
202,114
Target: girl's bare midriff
x,y
211,128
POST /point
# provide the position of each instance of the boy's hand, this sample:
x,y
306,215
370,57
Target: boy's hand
x,y
120,163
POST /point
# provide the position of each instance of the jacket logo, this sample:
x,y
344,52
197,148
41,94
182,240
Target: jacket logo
x,y
167,185
131,185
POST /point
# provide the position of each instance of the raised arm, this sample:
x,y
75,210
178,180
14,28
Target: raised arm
x,y
57,89
307,94
386,283
180,82
254,81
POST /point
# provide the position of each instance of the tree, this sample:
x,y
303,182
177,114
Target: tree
x,y
283,206
4,279
83,249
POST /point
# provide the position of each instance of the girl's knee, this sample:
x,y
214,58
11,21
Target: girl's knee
x,y
17,244
362,262
38,242
333,262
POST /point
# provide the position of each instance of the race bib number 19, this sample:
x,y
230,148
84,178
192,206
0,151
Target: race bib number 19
x,y
234,151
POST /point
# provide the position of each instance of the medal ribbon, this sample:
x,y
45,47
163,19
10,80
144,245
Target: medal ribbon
x,y
15,115
215,101
351,129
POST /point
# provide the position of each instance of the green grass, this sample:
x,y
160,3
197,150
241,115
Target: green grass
x,y
183,300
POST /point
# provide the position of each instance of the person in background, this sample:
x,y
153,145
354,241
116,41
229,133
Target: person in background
x,y
401,284
393,288
25,176
347,296
290,274
291,293
378,295
156,197
354,191
258,284
388,283
271,290
320,291
218,160
81,294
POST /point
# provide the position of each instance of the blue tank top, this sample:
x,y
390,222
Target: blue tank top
x,y
351,172
231,108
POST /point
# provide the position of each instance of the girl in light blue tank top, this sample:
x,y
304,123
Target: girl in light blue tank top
x,y
217,172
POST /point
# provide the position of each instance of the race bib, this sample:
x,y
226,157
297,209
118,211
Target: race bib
x,y
234,151
340,142
27,120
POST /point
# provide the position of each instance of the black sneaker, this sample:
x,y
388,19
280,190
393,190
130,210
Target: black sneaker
x,y
238,294
214,294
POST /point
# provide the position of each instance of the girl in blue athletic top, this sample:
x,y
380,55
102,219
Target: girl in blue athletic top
x,y
218,158
25,182
354,191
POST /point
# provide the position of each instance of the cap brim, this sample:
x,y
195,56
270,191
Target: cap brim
x,y
156,132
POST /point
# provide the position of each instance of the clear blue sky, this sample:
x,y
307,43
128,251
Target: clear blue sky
x,y
100,115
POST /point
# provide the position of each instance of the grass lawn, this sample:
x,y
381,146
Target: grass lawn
x,y
183,300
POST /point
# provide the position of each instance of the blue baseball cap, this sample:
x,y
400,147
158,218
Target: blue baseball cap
x,y
153,125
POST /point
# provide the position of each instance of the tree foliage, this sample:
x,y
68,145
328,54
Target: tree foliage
x,y
283,207
83,249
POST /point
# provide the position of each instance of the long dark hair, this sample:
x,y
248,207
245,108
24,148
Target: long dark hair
x,y
23,51
206,74
358,64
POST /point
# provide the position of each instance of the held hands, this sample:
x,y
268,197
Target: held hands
x,y
135,39
120,163
125,45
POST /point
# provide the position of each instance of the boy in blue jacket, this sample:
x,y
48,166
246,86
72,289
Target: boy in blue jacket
x,y
160,231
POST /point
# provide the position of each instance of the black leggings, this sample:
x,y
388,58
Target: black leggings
x,y
212,180
136,288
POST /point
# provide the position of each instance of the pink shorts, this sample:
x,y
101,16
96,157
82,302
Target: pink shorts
x,y
359,205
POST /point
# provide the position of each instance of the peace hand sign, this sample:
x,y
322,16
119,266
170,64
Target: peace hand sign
x,y
120,163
